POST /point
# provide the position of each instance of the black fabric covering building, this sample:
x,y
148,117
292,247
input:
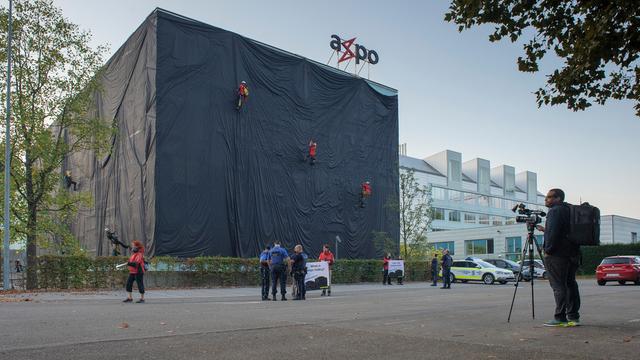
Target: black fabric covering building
x,y
190,175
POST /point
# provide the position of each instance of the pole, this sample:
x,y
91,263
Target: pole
x,y
7,162
337,241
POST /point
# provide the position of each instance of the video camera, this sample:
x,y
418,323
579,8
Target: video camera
x,y
113,237
528,216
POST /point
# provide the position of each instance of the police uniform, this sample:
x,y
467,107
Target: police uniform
x,y
278,271
265,273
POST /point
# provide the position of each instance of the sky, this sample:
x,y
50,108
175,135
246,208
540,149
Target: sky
x,y
456,91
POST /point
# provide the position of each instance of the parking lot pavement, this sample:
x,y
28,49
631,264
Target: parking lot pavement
x,y
367,321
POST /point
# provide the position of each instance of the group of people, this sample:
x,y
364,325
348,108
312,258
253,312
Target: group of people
x,y
275,263
386,277
562,259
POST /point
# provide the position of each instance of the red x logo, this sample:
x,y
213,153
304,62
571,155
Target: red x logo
x,y
348,54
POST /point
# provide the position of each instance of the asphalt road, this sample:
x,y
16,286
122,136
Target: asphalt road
x,y
414,321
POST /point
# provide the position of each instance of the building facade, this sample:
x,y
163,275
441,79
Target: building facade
x,y
471,194
472,206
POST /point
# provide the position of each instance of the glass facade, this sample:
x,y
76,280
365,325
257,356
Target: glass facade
x,y
446,245
438,193
470,218
478,247
513,245
455,196
480,209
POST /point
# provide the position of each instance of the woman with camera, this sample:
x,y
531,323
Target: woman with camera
x,y
136,271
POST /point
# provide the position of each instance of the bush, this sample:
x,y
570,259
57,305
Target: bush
x,y
81,272
593,255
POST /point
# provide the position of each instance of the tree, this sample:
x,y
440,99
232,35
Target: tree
x,y
52,86
598,41
414,209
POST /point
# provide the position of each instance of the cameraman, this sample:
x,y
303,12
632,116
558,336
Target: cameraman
x,y
561,260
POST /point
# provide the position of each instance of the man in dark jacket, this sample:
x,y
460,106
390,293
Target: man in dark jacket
x,y
447,261
299,271
562,258
434,269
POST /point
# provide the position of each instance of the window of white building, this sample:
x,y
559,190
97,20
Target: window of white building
x,y
454,215
438,193
513,246
455,195
438,214
470,218
450,245
478,247
484,219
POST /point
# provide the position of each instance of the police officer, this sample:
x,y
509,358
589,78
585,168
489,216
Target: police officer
x,y
278,264
434,270
265,272
299,271
447,261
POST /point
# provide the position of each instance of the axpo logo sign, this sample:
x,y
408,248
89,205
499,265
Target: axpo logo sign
x,y
350,50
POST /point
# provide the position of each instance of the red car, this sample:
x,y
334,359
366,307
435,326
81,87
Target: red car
x,y
620,269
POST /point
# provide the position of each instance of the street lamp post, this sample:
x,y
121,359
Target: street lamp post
x,y
7,162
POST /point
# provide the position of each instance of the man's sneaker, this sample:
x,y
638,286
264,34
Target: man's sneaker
x,y
556,323
573,323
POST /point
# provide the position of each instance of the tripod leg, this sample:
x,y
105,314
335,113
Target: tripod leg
x,y
524,253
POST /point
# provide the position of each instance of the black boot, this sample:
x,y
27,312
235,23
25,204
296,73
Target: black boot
x,y
283,298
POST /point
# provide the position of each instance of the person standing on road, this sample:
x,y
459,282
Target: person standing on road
x,y
265,272
299,271
447,261
327,255
278,264
400,276
386,279
562,258
136,271
434,269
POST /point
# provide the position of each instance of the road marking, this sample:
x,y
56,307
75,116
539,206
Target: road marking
x,y
634,320
399,322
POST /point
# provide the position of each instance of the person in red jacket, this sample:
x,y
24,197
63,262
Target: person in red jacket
x,y
327,255
365,192
136,271
243,94
386,279
312,151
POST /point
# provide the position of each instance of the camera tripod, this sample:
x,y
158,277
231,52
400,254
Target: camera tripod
x,y
527,249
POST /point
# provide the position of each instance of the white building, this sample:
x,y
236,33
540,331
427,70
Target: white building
x,y
473,202
471,194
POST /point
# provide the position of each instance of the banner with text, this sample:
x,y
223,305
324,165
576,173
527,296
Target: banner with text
x,y
396,268
318,276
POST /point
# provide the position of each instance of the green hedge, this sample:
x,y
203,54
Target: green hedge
x,y
80,272
593,255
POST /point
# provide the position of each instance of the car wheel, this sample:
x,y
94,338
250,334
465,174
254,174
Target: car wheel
x,y
488,279
544,275
622,282
503,282
602,282
452,278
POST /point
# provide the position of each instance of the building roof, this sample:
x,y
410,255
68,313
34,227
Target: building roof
x,y
418,165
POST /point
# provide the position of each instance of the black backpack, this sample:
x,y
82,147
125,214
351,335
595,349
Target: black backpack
x,y
584,225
